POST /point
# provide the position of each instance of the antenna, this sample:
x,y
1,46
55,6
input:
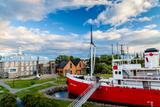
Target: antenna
x,y
37,72
117,51
112,49
121,49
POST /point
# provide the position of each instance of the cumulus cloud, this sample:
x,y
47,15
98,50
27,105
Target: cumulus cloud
x,y
138,40
108,35
151,26
42,42
35,40
123,11
38,9
144,19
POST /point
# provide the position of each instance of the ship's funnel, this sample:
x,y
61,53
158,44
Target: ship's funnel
x,y
151,58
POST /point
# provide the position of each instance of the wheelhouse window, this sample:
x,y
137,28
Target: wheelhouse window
x,y
134,73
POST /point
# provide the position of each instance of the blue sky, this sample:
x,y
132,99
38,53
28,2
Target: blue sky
x,y
50,27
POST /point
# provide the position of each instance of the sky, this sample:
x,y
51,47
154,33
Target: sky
x,y
54,27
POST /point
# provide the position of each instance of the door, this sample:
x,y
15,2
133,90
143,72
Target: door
x,y
119,82
146,84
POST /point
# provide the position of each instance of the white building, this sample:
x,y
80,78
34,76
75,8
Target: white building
x,y
18,64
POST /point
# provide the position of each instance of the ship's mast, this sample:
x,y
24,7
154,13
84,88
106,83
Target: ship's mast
x,y
92,52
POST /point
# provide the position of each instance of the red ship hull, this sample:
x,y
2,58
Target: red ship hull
x,y
117,95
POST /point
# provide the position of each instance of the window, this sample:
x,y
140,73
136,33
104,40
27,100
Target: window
x,y
115,72
146,84
134,73
119,72
13,70
70,65
79,64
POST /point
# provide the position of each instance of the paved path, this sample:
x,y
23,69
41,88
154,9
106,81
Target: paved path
x,y
17,90
19,102
13,91
36,85
7,87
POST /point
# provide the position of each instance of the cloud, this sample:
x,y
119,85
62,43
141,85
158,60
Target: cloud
x,y
41,42
151,26
123,11
108,35
35,40
61,28
38,9
138,40
143,19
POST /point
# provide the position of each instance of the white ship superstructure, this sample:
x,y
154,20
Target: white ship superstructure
x,y
134,75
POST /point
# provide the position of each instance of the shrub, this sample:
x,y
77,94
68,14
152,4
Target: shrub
x,y
38,100
32,82
8,100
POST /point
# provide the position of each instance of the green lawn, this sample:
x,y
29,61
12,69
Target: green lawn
x,y
33,90
60,81
3,91
106,76
26,83
64,103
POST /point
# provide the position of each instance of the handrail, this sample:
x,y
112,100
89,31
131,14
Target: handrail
x,y
85,91
85,95
142,77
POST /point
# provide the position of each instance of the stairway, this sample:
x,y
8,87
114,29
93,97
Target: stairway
x,y
85,95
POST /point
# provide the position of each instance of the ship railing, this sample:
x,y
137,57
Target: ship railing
x,y
80,99
142,77
127,85
82,94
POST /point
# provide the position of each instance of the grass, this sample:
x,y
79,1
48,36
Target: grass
x,y
106,76
26,83
60,81
4,91
64,103
33,90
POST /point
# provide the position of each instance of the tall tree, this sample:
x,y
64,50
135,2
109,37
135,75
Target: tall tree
x,y
65,57
61,58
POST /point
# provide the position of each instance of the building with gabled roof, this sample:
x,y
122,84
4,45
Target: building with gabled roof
x,y
66,66
80,66
74,67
